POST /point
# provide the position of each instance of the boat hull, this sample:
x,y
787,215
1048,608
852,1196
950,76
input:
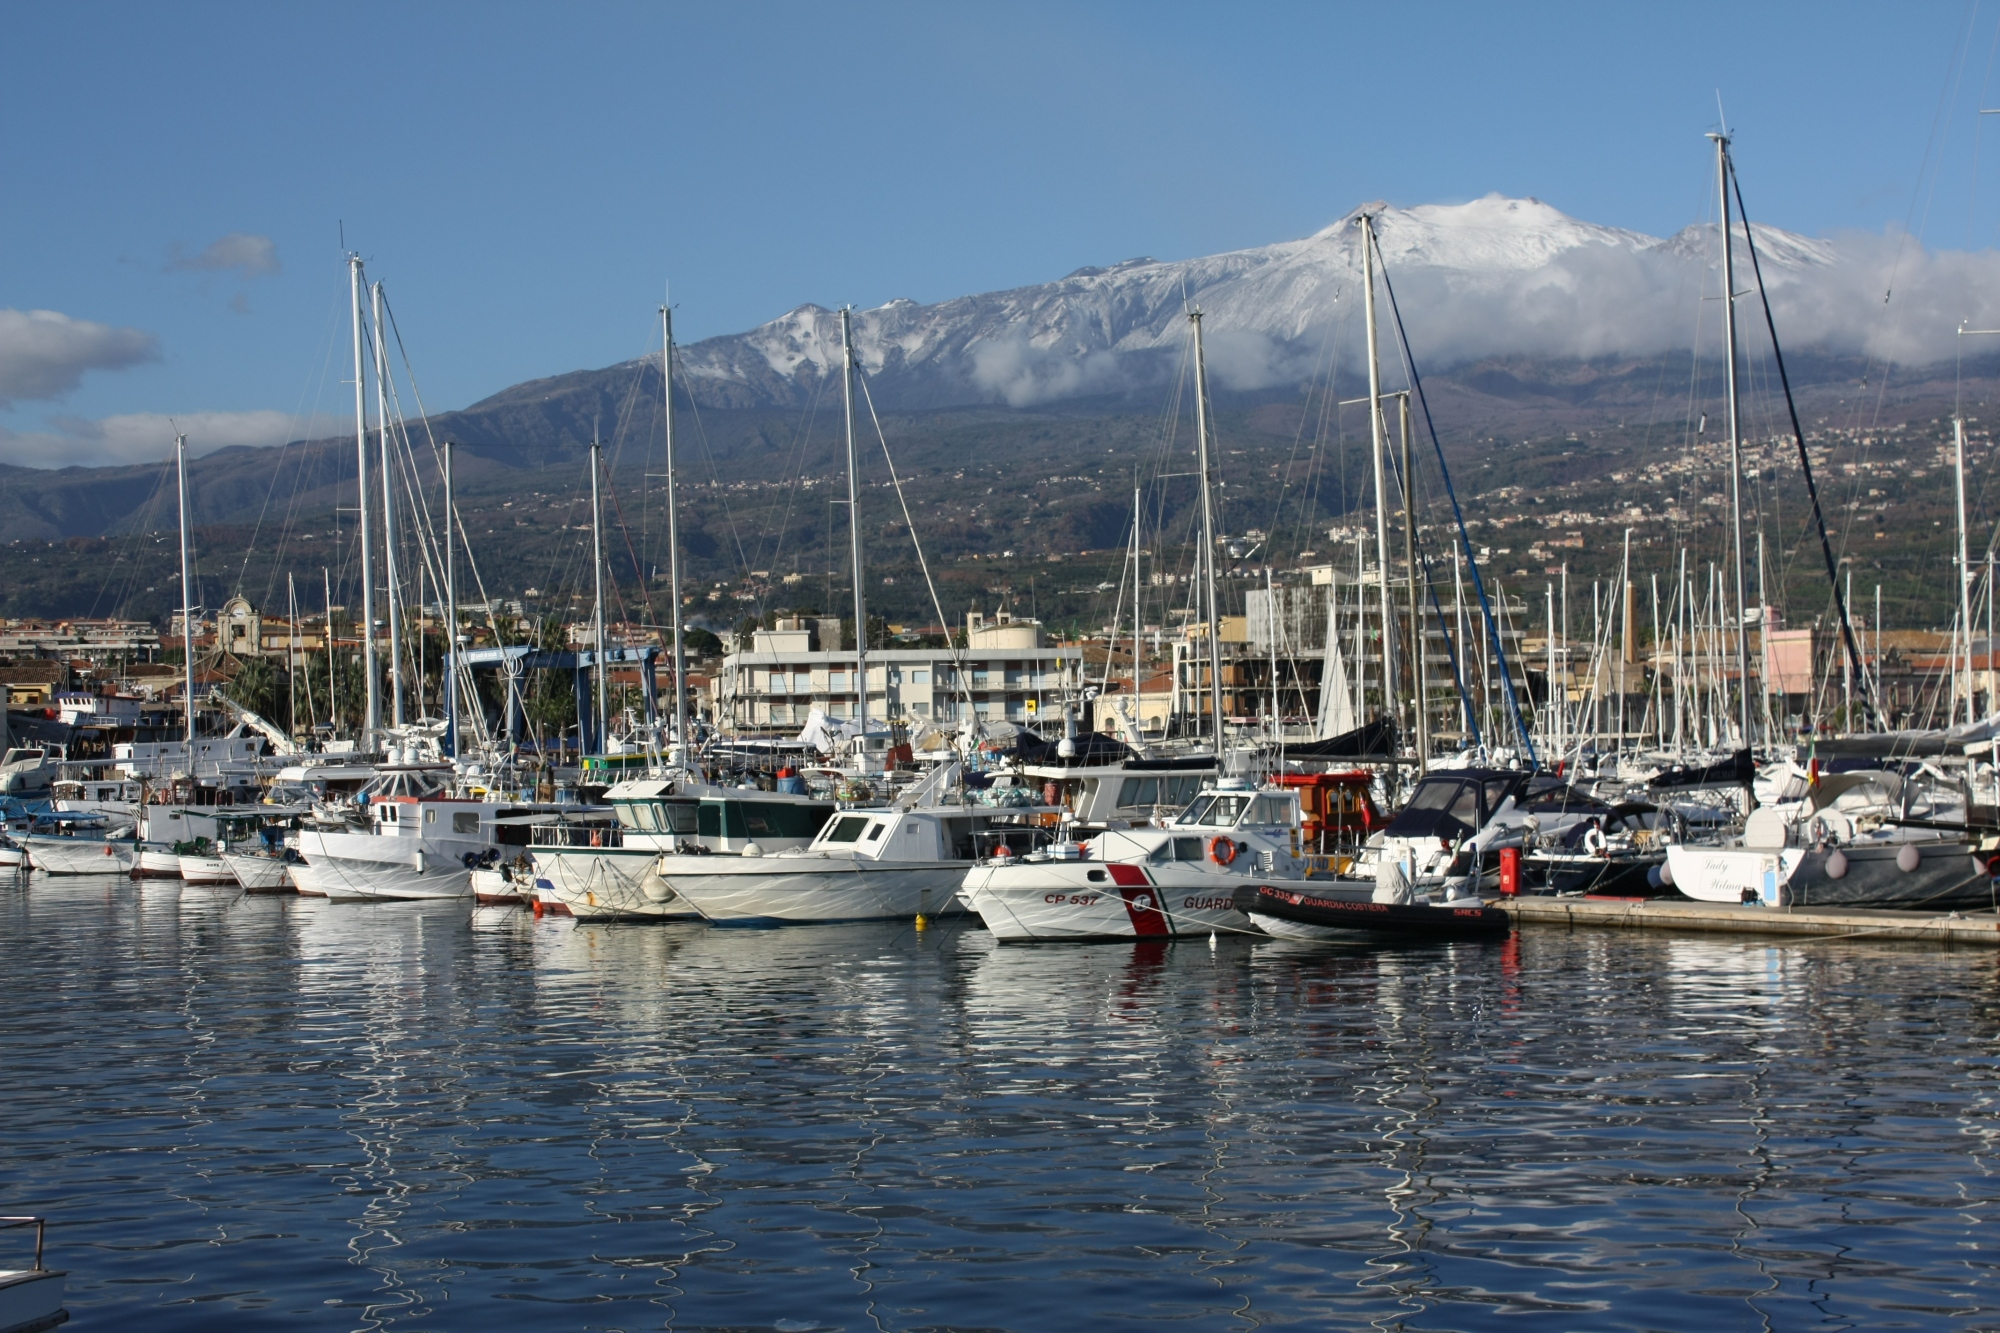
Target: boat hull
x,y
611,883
546,902
493,888
80,856
787,890
305,879
1947,878
156,863
366,866
206,870
1595,876
1084,900
1296,914
258,874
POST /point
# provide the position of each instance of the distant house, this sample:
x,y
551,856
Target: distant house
x,y
34,684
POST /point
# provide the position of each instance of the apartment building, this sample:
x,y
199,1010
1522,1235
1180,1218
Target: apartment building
x,y
1006,670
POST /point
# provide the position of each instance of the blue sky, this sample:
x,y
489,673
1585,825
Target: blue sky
x,y
526,178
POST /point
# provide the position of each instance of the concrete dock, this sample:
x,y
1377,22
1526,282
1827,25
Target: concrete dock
x,y
1980,928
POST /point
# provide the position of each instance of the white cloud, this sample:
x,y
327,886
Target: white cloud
x,y
1014,369
44,353
145,437
250,255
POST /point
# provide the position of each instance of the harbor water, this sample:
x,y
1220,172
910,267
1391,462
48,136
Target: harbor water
x,y
262,1112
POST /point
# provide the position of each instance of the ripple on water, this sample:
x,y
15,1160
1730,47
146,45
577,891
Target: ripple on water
x,y
410,1116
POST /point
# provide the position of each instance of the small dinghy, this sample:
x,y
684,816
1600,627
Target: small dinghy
x,y
1332,914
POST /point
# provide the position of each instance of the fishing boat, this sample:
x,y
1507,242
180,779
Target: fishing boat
x,y
61,843
262,871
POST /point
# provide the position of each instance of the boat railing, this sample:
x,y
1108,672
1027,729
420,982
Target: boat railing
x,y
576,835
40,1224
1020,840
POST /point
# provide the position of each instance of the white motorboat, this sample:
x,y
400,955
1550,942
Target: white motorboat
x,y
1142,883
58,855
864,865
615,872
28,770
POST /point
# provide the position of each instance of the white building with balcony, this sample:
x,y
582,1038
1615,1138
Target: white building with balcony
x,y
1006,671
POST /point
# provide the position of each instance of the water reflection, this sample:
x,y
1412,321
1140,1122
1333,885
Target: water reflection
x,y
403,1116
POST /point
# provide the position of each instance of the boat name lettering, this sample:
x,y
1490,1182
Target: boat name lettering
x,y
1207,904
1071,899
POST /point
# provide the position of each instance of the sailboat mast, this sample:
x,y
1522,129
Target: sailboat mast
x,y
597,583
372,718
332,696
1378,444
1420,676
1208,539
292,646
674,544
187,595
854,535
1964,565
450,611
393,607
1735,438
1138,616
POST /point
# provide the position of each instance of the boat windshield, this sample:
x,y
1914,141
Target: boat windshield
x,y
1215,811
1441,807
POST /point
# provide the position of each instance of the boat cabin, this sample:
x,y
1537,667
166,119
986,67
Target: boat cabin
x,y
1337,811
664,815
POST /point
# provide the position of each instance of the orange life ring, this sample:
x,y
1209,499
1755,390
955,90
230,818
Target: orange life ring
x,y
1221,850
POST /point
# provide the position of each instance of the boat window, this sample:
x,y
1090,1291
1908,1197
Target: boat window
x,y
1496,792
430,816
675,816
875,831
1270,810
958,834
1178,849
781,819
847,829
465,821
1195,810
1138,791
1221,811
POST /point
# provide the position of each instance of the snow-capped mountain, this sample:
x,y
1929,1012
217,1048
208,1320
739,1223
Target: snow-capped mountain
x,y
1493,277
